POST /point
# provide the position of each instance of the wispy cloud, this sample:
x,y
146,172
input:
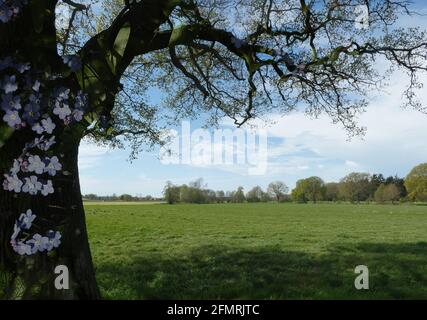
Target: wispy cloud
x,y
90,155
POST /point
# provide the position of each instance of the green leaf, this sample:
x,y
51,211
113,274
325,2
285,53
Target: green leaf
x,y
181,34
5,133
121,41
176,35
119,47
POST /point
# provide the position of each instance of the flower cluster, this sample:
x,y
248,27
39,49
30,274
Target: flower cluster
x,y
24,104
34,165
42,143
9,9
62,105
37,243
32,100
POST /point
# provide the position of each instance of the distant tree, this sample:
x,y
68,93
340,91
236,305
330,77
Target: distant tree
x,y
278,190
298,193
375,182
392,193
287,198
255,194
91,196
416,183
355,187
265,197
238,196
379,194
192,194
310,189
399,183
316,189
171,193
198,196
126,197
220,196
210,196
184,194
387,192
332,191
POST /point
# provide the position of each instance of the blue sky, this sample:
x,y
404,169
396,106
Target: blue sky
x,y
298,147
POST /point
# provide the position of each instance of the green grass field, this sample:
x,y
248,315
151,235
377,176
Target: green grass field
x,y
258,251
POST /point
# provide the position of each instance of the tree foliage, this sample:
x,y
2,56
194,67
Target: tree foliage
x,y
278,190
238,59
389,192
355,187
238,196
310,189
416,183
332,191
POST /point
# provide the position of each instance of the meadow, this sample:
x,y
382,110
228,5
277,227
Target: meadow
x,y
258,251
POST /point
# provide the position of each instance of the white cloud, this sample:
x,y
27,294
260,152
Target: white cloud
x,y
90,155
351,164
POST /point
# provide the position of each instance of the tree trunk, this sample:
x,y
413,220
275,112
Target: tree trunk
x,y
33,277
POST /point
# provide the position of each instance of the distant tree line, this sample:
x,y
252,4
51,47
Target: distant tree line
x,y
196,192
356,187
123,197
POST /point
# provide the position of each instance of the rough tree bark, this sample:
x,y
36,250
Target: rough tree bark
x,y
33,277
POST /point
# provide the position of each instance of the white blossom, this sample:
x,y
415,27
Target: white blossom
x,y
62,110
53,166
16,231
48,125
22,248
9,84
26,219
55,241
36,86
12,118
16,167
43,144
12,183
32,185
39,243
78,115
36,164
47,188
61,94
38,128
49,143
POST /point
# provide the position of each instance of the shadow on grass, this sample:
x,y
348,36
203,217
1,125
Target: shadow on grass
x,y
396,272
